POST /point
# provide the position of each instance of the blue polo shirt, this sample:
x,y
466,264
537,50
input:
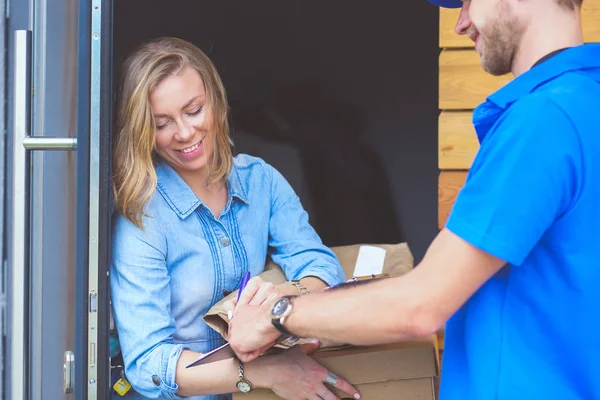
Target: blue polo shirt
x,y
532,198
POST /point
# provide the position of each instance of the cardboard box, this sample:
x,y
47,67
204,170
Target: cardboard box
x,y
407,370
398,261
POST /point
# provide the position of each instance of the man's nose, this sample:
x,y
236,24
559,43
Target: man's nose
x,y
464,20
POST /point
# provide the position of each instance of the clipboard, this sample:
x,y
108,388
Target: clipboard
x,y
223,352
359,280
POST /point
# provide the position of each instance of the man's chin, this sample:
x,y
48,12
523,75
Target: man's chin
x,y
496,72
494,69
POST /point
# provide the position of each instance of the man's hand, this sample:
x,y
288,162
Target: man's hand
x,y
256,293
251,332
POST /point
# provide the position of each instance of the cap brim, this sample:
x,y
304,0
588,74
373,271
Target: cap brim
x,y
447,3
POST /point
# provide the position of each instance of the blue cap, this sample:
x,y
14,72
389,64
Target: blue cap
x,y
447,3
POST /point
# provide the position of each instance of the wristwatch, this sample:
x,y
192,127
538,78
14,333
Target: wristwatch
x,y
242,384
280,311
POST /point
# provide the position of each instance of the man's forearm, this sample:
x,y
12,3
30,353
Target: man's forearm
x,y
377,312
414,305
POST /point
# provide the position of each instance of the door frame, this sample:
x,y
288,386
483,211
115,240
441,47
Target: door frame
x,y
94,204
93,192
3,185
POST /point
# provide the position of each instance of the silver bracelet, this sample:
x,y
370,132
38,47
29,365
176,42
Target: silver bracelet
x,y
302,290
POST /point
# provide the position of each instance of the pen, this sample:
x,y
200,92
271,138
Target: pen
x,y
243,284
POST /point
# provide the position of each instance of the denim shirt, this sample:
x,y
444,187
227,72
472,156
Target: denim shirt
x,y
165,277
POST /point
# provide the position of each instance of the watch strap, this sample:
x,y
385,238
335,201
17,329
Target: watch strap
x,y
240,370
242,383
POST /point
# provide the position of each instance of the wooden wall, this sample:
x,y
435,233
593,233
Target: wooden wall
x,y
462,86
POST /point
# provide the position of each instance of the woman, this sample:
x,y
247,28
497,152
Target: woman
x,y
191,221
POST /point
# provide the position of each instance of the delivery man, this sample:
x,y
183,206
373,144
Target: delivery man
x,y
515,273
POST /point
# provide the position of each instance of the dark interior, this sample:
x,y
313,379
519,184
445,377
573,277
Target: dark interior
x,y
340,96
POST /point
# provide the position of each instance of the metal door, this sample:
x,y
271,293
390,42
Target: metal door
x,y
57,200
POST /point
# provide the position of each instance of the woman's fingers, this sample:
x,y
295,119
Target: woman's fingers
x,y
249,292
257,292
309,348
341,384
273,297
265,290
325,394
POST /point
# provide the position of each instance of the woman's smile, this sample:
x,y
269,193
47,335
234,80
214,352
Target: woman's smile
x,y
193,150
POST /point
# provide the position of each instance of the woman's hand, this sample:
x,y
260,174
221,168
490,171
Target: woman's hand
x,y
293,375
256,293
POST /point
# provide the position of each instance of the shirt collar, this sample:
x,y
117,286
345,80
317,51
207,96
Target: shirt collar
x,y
180,196
549,56
234,183
573,59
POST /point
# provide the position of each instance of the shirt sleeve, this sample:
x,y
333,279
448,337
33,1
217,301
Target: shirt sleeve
x,y
141,301
525,177
293,242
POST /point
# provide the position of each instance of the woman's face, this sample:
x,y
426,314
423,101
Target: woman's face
x,y
184,138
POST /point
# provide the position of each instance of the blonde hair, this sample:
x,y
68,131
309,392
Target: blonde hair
x,y
134,179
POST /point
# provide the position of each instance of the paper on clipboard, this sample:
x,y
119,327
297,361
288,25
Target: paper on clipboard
x,y
370,261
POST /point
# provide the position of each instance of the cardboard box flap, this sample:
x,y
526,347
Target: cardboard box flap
x,y
373,364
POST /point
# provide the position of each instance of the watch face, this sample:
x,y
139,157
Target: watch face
x,y
244,387
279,308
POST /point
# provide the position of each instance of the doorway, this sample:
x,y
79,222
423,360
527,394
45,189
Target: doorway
x,y
340,97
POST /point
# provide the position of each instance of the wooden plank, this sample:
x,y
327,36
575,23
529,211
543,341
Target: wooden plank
x,y
463,84
449,38
457,140
449,185
590,19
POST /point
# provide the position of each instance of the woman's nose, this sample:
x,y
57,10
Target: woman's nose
x,y
464,20
185,131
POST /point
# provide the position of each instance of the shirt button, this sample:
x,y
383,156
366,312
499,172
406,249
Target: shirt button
x,y
155,380
225,242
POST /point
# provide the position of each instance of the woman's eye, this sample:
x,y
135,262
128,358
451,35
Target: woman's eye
x,y
196,112
161,126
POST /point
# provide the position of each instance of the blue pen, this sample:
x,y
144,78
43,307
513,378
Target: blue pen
x,y
243,284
